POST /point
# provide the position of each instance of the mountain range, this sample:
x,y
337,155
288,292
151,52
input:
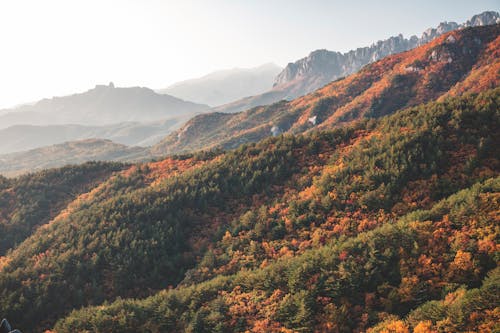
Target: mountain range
x,y
141,117
321,67
131,116
225,86
465,60
18,138
70,152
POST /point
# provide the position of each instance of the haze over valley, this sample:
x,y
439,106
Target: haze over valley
x,y
141,117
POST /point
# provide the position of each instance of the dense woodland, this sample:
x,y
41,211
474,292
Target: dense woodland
x,y
34,199
385,223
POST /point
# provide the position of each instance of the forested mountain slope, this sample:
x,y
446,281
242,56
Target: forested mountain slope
x,y
34,199
420,274
294,232
461,61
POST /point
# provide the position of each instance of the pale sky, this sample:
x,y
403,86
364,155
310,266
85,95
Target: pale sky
x,y
58,47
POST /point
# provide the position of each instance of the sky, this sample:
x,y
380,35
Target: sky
x,y
59,47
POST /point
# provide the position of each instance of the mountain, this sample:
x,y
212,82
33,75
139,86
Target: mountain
x,y
321,67
384,224
225,86
103,105
18,138
460,61
73,152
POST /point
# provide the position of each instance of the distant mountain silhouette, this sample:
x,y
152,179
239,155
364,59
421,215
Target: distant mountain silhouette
x,y
74,152
25,137
225,86
102,105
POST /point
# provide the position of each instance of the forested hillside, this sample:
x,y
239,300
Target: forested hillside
x,y
362,241
33,200
422,273
385,224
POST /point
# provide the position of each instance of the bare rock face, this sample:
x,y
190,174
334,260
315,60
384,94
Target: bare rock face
x,y
432,33
322,66
485,18
319,62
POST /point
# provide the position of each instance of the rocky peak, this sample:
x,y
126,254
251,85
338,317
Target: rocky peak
x,y
323,66
318,62
432,33
485,18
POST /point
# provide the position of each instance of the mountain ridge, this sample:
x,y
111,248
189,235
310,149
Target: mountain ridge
x,y
334,65
18,138
69,153
460,61
102,105
401,80
322,66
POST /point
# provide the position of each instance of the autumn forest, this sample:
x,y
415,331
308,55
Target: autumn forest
x,y
382,215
